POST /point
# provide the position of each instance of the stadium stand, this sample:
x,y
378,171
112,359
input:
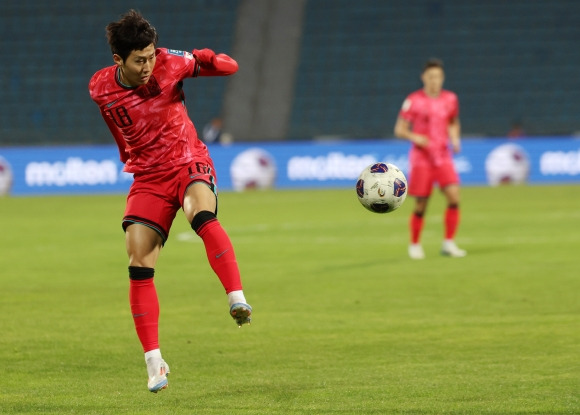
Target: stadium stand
x,y
356,63
506,60
51,54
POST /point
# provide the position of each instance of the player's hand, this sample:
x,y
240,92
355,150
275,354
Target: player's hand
x,y
420,140
205,58
456,147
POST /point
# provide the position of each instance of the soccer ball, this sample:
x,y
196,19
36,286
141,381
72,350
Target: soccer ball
x,y
381,187
6,177
253,169
507,164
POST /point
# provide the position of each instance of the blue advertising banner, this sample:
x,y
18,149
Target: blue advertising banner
x,y
63,170
97,169
338,164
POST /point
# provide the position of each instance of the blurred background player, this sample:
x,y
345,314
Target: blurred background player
x,y
429,118
142,102
212,131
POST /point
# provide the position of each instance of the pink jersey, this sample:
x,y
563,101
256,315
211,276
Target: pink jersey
x,y
150,122
430,117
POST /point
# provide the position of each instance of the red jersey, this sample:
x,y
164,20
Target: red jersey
x,y
430,116
149,122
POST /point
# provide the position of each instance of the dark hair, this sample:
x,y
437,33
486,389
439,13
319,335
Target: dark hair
x,y
433,63
131,32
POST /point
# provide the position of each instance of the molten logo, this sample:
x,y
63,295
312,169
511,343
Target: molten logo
x,y
6,177
73,171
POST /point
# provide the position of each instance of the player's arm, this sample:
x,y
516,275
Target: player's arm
x,y
403,130
455,134
119,139
210,64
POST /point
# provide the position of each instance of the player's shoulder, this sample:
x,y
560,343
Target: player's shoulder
x,y
102,73
418,97
418,94
414,98
447,94
101,79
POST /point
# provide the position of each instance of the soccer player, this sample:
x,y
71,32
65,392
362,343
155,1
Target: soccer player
x,y
429,118
142,102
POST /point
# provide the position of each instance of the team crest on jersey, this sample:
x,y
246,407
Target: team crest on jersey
x,y
186,55
175,52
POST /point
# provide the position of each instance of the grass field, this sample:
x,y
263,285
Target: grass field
x,y
344,322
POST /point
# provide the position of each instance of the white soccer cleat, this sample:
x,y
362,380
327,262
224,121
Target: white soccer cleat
x,y
157,370
450,249
241,313
416,251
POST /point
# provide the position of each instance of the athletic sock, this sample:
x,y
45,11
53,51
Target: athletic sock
x,y
236,297
451,221
416,226
145,309
152,354
221,255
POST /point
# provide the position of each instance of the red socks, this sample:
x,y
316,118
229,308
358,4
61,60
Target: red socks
x,y
220,254
145,310
416,225
451,221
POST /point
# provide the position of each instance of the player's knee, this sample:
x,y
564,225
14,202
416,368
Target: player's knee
x,y
141,273
201,219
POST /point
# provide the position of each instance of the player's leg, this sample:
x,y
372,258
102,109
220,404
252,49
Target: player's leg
x,y
200,206
416,223
420,186
143,247
417,218
451,221
147,221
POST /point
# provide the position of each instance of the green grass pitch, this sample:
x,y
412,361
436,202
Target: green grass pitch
x,y
344,322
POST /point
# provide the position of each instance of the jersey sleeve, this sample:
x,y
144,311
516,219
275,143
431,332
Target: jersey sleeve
x,y
118,136
406,111
182,63
199,62
454,108
96,91
212,64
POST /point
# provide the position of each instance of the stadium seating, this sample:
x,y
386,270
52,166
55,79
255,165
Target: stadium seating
x,y
507,61
51,54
